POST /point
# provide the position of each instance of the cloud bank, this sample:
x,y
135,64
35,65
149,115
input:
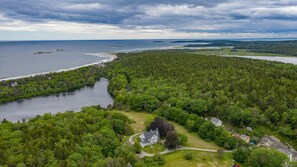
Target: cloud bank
x,y
105,19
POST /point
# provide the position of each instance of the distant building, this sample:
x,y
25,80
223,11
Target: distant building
x,y
149,138
249,128
216,121
13,84
245,138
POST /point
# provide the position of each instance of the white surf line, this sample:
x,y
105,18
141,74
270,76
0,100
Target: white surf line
x,y
111,55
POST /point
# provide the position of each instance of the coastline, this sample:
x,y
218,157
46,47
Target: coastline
x,y
112,56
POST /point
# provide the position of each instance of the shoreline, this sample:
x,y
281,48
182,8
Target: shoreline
x,y
112,56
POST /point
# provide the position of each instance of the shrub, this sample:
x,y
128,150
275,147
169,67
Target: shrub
x,y
188,156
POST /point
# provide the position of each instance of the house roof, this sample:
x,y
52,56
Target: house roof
x,y
215,120
243,136
149,134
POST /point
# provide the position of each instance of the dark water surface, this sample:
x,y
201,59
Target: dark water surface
x,y
28,108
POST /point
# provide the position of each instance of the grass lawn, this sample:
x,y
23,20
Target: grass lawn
x,y
153,149
200,159
136,138
193,139
139,119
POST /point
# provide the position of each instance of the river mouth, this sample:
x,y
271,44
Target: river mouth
x,y
62,102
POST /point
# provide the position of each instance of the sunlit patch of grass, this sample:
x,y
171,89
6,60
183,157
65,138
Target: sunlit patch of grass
x,y
153,149
201,159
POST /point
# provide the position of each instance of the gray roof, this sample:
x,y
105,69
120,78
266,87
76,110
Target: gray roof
x,y
244,136
216,120
149,134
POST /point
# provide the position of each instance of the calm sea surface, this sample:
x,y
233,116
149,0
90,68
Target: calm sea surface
x,y
18,58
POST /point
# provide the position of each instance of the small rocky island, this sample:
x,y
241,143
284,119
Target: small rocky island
x,y
38,53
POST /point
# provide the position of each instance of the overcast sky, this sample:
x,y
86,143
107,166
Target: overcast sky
x,y
146,19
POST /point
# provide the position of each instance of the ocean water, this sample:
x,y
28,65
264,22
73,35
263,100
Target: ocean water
x,y
17,58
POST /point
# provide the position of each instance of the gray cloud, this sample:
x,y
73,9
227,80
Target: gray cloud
x,y
188,16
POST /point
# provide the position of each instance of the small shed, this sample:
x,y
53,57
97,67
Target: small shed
x,y
216,121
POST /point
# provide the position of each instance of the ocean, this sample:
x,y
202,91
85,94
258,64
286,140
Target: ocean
x,y
21,58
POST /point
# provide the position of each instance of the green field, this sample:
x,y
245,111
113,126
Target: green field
x,y
200,159
139,118
153,149
194,140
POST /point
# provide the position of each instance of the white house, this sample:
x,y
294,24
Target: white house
x,y
216,121
150,137
13,84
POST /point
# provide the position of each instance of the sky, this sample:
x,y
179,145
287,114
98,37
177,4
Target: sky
x,y
146,19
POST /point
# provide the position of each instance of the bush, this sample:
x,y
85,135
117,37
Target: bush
x,y
137,147
241,154
182,138
266,157
188,156
171,140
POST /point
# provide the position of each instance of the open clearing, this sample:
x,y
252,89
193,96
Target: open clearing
x,y
154,149
193,139
139,118
200,159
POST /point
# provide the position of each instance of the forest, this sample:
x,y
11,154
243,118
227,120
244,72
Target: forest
x,y
277,47
178,85
187,87
48,84
92,137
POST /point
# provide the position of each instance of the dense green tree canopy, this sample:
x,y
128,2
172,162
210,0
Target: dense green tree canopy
x,y
265,157
176,84
49,83
67,139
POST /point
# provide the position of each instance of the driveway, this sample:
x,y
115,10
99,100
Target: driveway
x,y
131,137
145,154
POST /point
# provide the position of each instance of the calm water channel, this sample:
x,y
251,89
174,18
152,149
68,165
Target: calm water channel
x,y
28,108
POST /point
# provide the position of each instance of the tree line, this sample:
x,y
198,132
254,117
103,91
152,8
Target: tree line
x,y
275,47
49,83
